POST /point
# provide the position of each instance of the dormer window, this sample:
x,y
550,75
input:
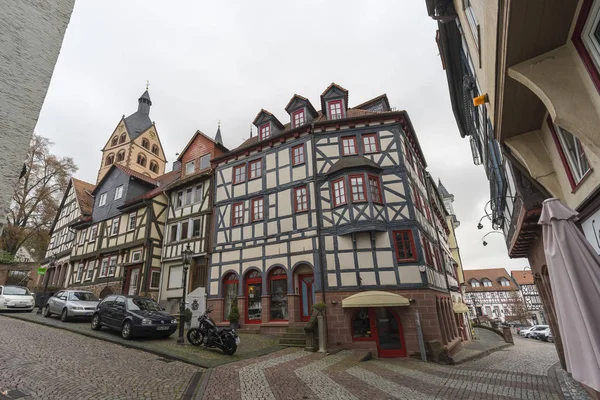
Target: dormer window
x,y
298,118
487,283
475,283
145,143
335,109
189,167
505,282
264,131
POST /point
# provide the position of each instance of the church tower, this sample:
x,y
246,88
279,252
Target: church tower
x,y
135,144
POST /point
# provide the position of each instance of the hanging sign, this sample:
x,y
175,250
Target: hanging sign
x,y
41,271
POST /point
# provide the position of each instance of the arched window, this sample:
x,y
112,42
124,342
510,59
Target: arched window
x,y
230,291
121,155
115,141
145,143
253,297
154,167
155,149
110,159
278,290
141,159
122,138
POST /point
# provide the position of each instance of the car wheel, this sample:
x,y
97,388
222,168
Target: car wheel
x,y
47,312
126,330
96,325
64,315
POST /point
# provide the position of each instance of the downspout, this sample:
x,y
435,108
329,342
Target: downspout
x,y
148,245
318,204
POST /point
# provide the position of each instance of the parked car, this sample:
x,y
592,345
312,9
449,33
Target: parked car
x,y
71,304
550,338
133,316
531,332
17,298
543,335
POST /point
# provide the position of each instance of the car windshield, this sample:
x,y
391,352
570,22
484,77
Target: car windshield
x,y
82,296
140,304
16,291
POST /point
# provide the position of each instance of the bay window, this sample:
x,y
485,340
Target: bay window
x,y
571,153
357,188
375,188
339,192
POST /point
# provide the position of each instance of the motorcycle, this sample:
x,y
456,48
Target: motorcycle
x,y
210,336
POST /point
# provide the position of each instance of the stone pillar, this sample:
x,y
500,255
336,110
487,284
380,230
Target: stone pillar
x,y
294,311
241,302
322,335
508,337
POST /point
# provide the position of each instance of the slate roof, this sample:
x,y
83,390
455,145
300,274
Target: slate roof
x,y
83,193
443,191
523,277
129,172
333,84
218,138
493,274
139,121
161,181
352,162
311,109
375,100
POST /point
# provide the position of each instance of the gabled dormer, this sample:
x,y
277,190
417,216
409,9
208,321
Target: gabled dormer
x,y
301,111
267,124
474,283
377,104
334,102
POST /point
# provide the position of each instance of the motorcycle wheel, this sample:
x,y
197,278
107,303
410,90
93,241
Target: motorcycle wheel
x,y
195,337
230,347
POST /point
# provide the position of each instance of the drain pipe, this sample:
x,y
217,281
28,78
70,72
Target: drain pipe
x,y
318,204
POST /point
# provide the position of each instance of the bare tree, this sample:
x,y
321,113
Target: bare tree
x,y
37,196
518,309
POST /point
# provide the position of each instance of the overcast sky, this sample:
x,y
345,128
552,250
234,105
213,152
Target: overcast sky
x,y
211,61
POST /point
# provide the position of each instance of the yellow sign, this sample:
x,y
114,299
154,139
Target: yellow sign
x,y
480,100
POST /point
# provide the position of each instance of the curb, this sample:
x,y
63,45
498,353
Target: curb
x,y
569,388
483,353
200,392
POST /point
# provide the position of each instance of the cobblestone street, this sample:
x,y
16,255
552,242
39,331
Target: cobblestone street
x,y
46,363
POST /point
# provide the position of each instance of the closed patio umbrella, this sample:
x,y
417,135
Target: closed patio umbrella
x,y
574,269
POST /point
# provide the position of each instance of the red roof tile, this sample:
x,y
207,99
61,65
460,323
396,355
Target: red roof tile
x,y
493,274
83,192
523,277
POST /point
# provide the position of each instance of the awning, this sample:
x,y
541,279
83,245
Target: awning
x,y
375,298
460,308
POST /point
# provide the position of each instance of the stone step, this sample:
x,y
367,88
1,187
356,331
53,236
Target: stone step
x,y
293,335
295,329
292,342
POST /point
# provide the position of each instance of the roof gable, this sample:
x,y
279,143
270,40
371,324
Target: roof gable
x,y
83,193
200,136
297,102
127,171
333,91
495,275
379,103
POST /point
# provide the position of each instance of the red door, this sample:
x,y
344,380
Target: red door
x,y
307,295
388,332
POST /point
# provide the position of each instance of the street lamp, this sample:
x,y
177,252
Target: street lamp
x,y
489,233
186,258
51,261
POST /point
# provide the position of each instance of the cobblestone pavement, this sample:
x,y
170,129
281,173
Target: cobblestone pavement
x,y
517,372
46,363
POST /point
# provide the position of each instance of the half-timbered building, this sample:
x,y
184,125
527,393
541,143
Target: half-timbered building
x,y
531,295
75,205
331,207
491,293
189,221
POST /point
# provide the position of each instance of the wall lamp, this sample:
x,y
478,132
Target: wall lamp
x,y
487,215
489,233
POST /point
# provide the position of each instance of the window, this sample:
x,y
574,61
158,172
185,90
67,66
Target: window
x,y
255,169
196,227
122,138
90,270
264,131
257,209
185,230
93,232
417,198
175,277
375,188
189,167
112,266
405,246
278,292
155,149
349,146
237,214
178,199
357,188
118,192
239,174
115,141
572,155
505,282
361,325
370,143
104,268
154,167
141,160
230,292
335,109
189,194
79,272
253,288
198,194
420,172
136,256
121,155
298,154
586,38
145,143
301,199
409,155
82,236
428,212
473,24
487,283
102,200
173,231
475,283
205,161
110,159
298,118
132,221
339,192
115,226
154,279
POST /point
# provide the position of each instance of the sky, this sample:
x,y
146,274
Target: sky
x,y
223,61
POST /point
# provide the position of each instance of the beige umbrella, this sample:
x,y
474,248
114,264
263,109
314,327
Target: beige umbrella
x,y
574,269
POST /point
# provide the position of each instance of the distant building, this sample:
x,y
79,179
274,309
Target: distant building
x,y
531,295
491,293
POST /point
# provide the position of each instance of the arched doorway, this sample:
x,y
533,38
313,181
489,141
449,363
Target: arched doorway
x,y
305,287
382,325
230,292
278,289
253,290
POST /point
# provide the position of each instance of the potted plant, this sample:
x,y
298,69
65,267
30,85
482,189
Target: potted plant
x,y
234,316
188,318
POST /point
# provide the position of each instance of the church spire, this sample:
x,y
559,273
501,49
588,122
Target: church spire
x,y
144,103
218,138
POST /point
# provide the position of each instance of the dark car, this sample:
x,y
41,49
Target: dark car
x,y
133,316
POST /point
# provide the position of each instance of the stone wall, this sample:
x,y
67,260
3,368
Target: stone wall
x,y
32,34
30,267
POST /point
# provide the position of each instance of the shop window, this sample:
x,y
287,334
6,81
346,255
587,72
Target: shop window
x,y
230,290
278,292
361,325
254,297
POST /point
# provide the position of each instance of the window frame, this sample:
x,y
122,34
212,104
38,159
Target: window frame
x,y
343,189
133,254
191,163
413,247
235,178
174,227
262,129
184,231
89,270
427,252
82,237
343,147
253,217
102,199
250,169
296,203
376,143
584,27
565,157
116,221
234,207
202,157
379,191
279,277
119,191
301,155
364,188
79,276
199,220
329,107
93,233
198,193
130,219
295,116
152,272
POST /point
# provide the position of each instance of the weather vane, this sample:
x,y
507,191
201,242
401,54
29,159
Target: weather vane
x,y
147,84
219,124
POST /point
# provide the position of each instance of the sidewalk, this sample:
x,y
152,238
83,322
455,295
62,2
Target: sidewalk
x,y
252,345
485,343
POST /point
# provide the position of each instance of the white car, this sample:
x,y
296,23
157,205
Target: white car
x,y
17,298
528,332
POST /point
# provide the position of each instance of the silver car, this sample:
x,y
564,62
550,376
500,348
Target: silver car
x,y
16,298
71,304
